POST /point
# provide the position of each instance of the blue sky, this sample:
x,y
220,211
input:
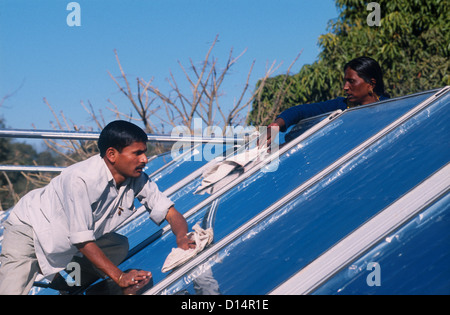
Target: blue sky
x,y
41,56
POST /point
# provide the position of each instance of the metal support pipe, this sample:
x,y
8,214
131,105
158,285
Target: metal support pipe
x,y
91,135
30,168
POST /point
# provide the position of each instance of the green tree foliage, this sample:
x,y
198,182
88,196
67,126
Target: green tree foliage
x,y
411,44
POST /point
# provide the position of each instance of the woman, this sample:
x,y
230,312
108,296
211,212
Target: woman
x,y
363,85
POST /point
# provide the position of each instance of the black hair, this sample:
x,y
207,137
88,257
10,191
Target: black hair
x,y
119,134
368,69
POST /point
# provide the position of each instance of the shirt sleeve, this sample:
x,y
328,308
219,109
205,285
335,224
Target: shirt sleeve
x,y
153,199
294,114
78,210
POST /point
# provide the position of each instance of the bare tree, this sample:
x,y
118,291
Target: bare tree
x,y
174,108
202,101
267,111
70,151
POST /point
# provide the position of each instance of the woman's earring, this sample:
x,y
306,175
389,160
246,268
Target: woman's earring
x,y
373,94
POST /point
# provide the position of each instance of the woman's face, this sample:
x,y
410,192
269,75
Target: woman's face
x,y
357,89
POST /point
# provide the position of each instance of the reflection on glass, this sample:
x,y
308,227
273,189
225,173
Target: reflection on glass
x,y
413,260
155,163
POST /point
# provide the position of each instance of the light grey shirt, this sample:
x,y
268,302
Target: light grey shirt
x,y
80,205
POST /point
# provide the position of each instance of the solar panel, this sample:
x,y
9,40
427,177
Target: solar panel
x,y
300,230
333,174
413,260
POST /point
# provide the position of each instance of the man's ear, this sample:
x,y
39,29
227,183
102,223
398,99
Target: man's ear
x,y
111,155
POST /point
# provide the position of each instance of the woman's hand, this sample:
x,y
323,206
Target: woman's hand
x,y
272,131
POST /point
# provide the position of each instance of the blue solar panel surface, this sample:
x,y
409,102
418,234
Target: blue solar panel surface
x,y
298,231
304,228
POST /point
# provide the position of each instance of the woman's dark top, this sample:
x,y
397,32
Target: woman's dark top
x,y
294,114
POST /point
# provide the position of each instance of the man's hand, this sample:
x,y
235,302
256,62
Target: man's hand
x,y
98,258
185,242
132,277
179,228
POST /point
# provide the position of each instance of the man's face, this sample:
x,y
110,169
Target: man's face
x,y
131,161
356,88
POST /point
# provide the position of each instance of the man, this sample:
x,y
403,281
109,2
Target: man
x,y
77,212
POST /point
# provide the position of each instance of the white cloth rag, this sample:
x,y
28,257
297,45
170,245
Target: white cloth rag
x,y
224,171
179,256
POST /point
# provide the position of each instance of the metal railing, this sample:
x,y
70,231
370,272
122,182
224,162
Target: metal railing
x,y
92,135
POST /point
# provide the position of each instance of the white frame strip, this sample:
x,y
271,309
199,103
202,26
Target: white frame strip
x,y
369,234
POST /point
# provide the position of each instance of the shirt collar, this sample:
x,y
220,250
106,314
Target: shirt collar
x,y
107,172
109,176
